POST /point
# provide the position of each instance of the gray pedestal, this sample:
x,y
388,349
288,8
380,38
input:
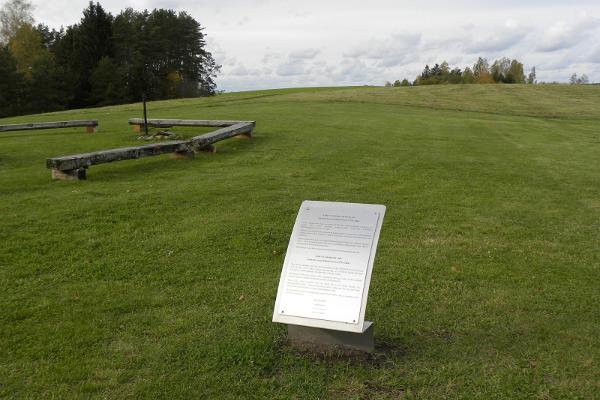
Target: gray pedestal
x,y
305,336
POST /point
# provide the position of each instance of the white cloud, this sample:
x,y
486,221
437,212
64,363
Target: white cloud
x,y
594,56
306,54
357,71
561,34
392,50
241,70
556,64
291,68
496,39
270,56
341,42
297,62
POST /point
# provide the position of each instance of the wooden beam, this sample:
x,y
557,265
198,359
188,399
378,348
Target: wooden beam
x,y
243,128
77,161
73,167
167,123
49,125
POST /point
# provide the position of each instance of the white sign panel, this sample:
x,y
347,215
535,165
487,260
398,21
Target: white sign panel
x,y
327,269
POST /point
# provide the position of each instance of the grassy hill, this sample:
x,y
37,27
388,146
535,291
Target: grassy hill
x,y
156,278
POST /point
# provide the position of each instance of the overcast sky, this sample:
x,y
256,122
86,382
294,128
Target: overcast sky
x,y
269,44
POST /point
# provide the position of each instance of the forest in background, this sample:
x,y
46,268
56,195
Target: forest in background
x,y
503,70
101,60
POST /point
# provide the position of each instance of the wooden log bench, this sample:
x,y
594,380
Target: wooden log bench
x,y
205,142
90,125
138,123
74,166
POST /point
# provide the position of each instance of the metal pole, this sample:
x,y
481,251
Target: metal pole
x,y
145,114
144,100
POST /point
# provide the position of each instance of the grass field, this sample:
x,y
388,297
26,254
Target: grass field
x,y
156,278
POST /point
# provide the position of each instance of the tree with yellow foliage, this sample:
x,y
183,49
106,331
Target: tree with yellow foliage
x,y
13,15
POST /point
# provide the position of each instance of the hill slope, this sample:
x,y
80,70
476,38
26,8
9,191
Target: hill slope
x,y
156,278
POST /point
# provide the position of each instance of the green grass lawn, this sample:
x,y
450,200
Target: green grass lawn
x,y
156,278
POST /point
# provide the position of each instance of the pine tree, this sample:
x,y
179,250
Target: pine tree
x,y
107,83
426,72
46,90
82,47
11,83
532,78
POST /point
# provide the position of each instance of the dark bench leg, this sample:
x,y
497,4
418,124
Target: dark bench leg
x,y
208,149
182,155
71,174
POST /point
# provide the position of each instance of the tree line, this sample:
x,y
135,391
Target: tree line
x,y
579,80
503,70
101,60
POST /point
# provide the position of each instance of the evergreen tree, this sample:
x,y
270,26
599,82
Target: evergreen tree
x,y
63,51
130,39
45,90
172,46
11,83
82,47
102,60
454,76
92,40
107,83
49,37
426,72
532,78
178,59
